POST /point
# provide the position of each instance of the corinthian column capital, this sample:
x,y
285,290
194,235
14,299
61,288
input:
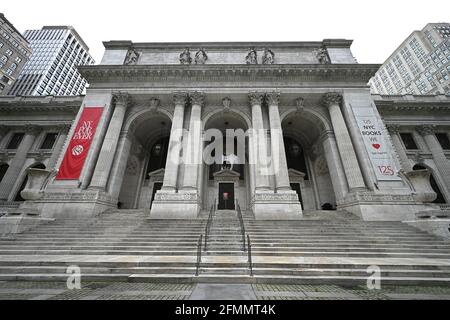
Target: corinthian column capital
x,y
32,129
331,98
393,128
121,99
273,98
180,98
197,98
426,129
255,98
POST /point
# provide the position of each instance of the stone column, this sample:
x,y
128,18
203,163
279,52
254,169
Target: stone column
x,y
57,150
120,164
176,133
349,160
108,150
277,143
439,158
11,176
193,154
259,142
334,163
396,141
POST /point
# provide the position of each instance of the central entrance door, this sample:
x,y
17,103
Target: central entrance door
x,y
226,196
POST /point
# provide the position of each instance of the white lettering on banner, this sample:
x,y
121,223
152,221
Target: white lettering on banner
x,y
84,132
376,143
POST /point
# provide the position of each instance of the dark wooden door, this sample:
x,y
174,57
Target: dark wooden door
x,y
226,196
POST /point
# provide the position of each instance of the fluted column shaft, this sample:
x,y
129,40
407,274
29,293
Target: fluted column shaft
x,y
396,141
11,176
176,134
120,164
108,150
345,146
193,154
58,148
334,163
259,146
277,144
439,158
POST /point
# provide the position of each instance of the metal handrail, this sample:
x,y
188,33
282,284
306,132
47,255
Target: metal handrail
x,y
199,254
249,253
208,224
241,222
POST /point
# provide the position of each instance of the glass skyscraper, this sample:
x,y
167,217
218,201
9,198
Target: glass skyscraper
x,y
52,69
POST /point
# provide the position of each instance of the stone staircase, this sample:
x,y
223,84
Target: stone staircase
x,y
125,246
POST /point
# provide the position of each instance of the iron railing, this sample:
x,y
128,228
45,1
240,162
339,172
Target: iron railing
x,y
208,224
249,253
199,254
241,222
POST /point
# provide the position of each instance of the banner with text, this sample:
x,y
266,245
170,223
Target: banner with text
x,y
376,143
79,145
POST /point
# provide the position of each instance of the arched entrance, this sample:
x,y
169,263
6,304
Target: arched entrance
x,y
144,171
228,177
18,197
440,197
307,162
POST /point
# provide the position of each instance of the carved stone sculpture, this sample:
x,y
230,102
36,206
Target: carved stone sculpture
x,y
251,57
322,56
201,56
269,56
132,57
185,57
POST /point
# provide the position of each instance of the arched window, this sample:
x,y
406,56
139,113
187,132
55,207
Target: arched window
x,y
440,197
25,180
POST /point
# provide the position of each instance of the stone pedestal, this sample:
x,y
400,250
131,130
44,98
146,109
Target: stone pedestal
x,y
284,205
180,205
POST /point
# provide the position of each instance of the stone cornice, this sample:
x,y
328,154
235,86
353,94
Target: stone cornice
x,y
360,73
412,103
125,44
48,103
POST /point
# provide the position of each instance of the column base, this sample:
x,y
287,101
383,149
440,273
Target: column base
x,y
370,206
73,203
181,205
268,205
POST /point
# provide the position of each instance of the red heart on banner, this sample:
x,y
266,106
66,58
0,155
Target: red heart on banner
x,y
376,146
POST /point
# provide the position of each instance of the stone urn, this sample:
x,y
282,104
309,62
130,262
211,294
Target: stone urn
x,y
34,188
420,182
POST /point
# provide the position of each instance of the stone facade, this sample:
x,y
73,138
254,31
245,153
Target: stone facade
x,y
314,137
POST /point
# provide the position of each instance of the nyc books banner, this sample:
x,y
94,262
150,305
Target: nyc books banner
x,y
79,145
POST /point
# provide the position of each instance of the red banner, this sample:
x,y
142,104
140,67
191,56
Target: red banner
x,y
79,145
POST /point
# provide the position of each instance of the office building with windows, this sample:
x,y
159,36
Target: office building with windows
x,y
14,53
52,70
420,65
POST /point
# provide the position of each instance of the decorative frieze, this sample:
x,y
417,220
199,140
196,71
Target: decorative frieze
x,y
176,197
275,197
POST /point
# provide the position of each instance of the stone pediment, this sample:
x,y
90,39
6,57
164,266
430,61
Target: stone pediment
x,y
296,174
226,174
157,173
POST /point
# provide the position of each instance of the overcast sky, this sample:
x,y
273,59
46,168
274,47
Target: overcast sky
x,y
377,27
